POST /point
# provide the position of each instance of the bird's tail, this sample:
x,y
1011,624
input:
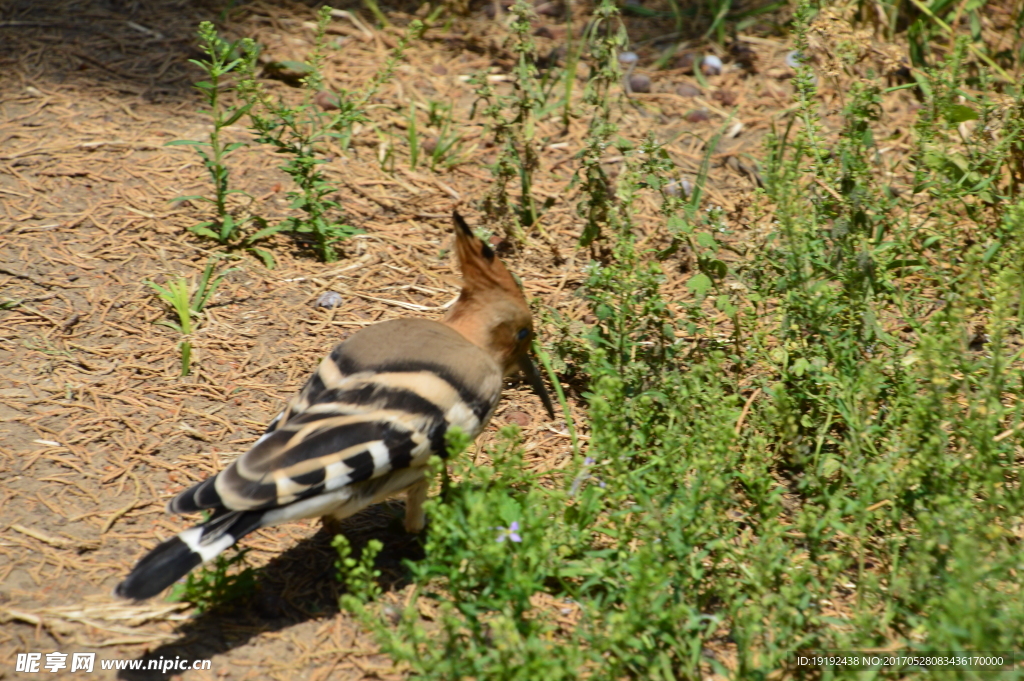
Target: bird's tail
x,y
173,559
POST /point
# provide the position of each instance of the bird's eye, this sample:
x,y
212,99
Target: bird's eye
x,y
523,334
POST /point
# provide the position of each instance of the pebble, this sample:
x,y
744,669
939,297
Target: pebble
x,y
429,145
711,65
638,82
679,188
329,299
726,97
328,101
521,419
697,116
688,90
393,613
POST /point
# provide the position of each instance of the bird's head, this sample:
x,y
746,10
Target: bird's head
x,y
491,310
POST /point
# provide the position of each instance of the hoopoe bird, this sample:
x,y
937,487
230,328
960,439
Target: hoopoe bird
x,y
366,422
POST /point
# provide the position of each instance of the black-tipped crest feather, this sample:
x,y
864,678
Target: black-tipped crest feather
x,y
485,250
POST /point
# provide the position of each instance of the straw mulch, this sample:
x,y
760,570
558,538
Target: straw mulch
x,y
97,430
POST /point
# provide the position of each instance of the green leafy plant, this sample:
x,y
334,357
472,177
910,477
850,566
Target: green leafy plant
x,y
297,131
814,449
225,59
513,124
187,304
606,38
357,574
216,585
294,131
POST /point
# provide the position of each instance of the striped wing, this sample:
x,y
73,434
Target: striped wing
x,y
380,403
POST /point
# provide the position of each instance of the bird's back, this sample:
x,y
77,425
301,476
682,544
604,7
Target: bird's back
x,y
381,402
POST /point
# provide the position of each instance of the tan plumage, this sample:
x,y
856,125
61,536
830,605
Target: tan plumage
x,y
366,422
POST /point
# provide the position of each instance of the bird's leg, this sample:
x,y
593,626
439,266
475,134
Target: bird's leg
x,y
331,524
446,483
415,495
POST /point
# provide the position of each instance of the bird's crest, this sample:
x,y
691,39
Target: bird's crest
x,y
491,310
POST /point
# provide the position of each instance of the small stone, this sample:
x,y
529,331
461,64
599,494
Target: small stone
x,y
429,145
393,613
549,9
290,72
685,61
329,299
521,419
489,8
628,59
679,188
688,90
726,97
744,55
711,65
439,70
638,82
328,101
697,116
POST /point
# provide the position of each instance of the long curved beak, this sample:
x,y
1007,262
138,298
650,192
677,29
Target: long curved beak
x,y
529,370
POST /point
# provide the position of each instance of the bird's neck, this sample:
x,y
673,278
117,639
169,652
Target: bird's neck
x,y
474,327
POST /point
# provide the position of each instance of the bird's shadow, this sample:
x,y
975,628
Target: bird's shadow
x,y
296,586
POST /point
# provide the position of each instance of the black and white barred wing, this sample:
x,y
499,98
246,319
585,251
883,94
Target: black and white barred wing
x,y
364,413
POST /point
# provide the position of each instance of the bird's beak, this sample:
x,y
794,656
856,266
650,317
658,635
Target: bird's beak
x,y
529,370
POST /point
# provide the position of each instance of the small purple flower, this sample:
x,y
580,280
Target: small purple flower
x,y
512,533
589,461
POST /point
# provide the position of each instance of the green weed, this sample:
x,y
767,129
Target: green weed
x,y
294,132
297,132
606,38
446,151
187,304
357,574
225,59
217,584
513,124
841,473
